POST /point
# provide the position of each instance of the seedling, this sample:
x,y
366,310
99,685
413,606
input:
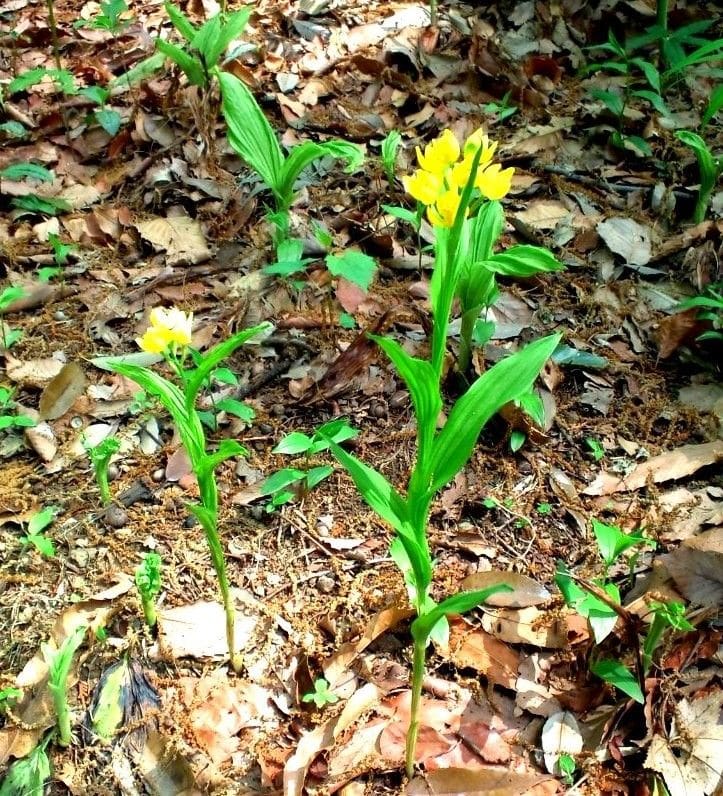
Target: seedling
x,y
8,418
710,169
291,482
710,304
8,697
321,695
204,45
35,528
390,146
441,454
596,449
59,662
110,18
170,335
100,457
501,110
63,80
28,776
567,767
8,296
148,583
107,118
251,135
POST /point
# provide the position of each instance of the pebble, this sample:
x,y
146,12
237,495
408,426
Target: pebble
x,y
116,516
399,399
265,428
325,584
113,472
158,475
378,410
279,410
190,521
59,315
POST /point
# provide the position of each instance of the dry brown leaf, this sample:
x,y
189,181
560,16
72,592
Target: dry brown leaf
x,y
627,238
323,737
543,214
532,626
32,372
526,591
697,568
180,237
478,650
668,466
489,781
60,394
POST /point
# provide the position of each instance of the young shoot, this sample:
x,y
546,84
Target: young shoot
x,y
59,662
148,583
100,456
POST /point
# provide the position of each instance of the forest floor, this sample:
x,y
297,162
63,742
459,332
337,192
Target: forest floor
x,y
163,212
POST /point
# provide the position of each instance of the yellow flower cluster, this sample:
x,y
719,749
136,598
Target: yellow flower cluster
x,y
169,327
445,169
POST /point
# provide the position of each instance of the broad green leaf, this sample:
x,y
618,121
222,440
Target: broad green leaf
x,y
390,145
289,258
651,73
457,604
317,474
302,155
424,391
522,261
42,519
354,266
13,129
249,132
180,21
484,230
63,79
337,430
532,405
612,542
227,449
504,382
42,544
108,713
109,120
27,171
293,443
141,71
615,673
402,214
654,99
190,65
567,355
715,103
96,94
281,479
214,37
49,205
233,406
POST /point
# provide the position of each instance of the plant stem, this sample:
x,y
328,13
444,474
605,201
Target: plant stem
x,y
433,12
418,666
465,342
149,610
101,477
60,701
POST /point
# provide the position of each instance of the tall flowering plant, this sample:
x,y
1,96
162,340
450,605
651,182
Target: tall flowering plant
x,y
451,184
169,334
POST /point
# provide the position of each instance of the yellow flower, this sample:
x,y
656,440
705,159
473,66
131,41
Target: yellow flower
x,y
423,186
474,142
444,211
439,154
494,182
168,327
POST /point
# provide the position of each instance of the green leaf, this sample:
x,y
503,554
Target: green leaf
x,y
651,73
13,129
612,542
613,102
214,37
233,406
141,71
190,65
96,94
180,21
457,604
281,479
29,171
302,155
249,132
504,382
49,206
354,266
289,258
523,261
293,443
337,430
715,103
517,440
423,388
63,79
567,355
390,145
402,214
317,474
42,544
615,673
43,519
27,777
654,99
109,120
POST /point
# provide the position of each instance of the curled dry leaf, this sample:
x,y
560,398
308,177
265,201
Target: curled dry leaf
x,y
477,649
32,372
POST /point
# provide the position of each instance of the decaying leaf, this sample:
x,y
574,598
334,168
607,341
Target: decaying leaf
x,y
533,626
628,238
180,237
560,736
477,649
488,781
697,568
525,591
60,394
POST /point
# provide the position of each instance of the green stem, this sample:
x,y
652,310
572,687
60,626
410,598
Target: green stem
x,y
60,701
101,477
465,342
433,12
149,610
418,667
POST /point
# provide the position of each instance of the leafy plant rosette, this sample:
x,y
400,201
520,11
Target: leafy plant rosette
x,y
170,335
459,189
450,189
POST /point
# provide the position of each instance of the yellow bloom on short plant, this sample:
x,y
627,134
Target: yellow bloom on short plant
x,y
474,142
439,154
444,211
169,327
423,186
494,182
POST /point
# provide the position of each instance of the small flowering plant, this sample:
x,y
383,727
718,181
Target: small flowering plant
x,y
459,188
169,334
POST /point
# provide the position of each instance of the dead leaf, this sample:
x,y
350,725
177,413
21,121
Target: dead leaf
x,y
488,781
560,736
668,466
697,567
543,214
533,626
626,237
32,372
180,237
526,591
691,760
60,394
478,650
